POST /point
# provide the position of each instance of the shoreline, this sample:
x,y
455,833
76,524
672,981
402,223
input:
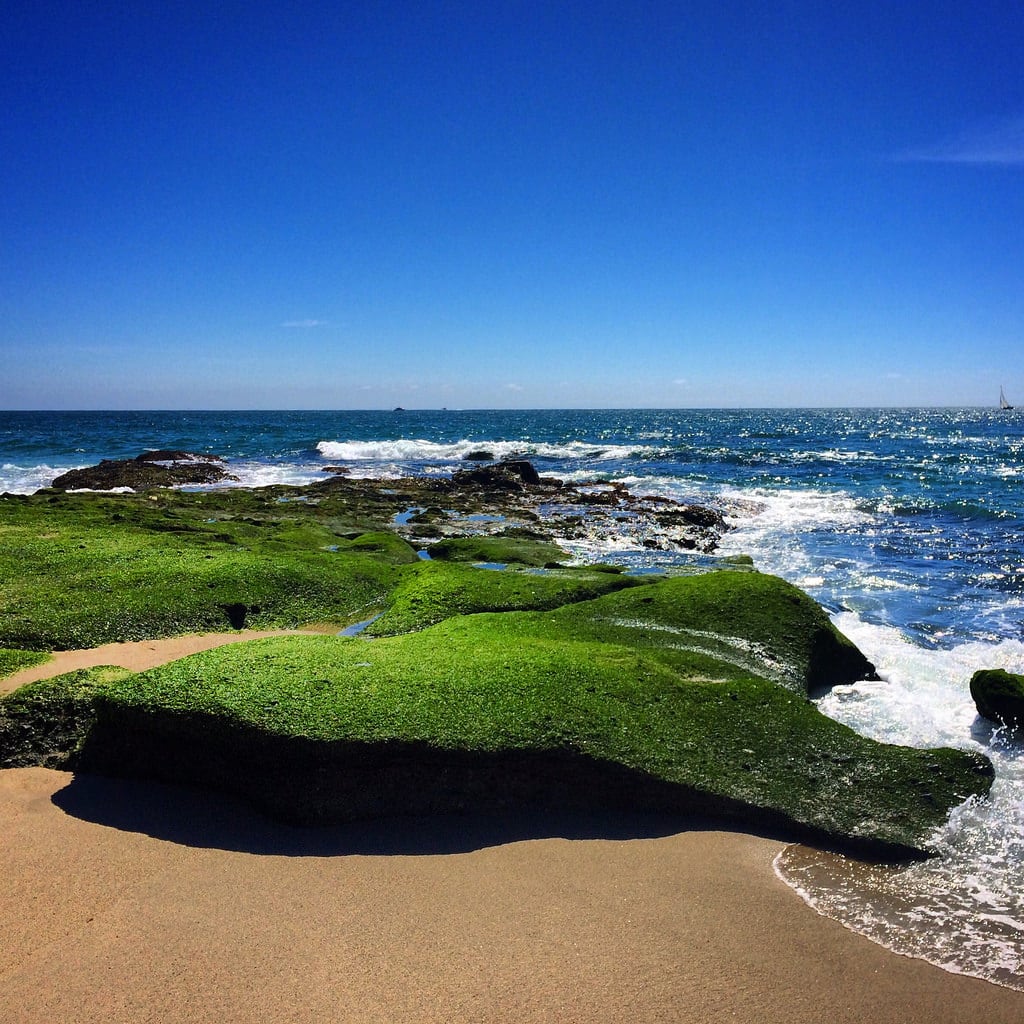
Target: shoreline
x,y
126,900
142,654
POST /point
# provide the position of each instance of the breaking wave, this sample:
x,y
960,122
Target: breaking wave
x,y
421,450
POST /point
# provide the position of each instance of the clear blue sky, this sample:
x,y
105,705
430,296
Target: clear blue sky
x,y
361,205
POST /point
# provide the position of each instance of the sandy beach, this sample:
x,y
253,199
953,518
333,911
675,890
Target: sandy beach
x,y
137,655
131,901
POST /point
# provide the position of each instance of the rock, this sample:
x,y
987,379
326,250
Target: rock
x,y
479,455
999,696
512,474
500,550
151,469
340,470
433,514
741,560
167,455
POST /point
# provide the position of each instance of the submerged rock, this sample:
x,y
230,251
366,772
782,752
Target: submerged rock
x,y
999,696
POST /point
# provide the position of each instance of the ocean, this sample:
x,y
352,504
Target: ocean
x,y
906,524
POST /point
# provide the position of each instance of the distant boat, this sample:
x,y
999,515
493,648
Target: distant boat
x,y
1003,403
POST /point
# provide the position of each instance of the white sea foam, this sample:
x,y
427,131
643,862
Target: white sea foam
x,y
101,490
962,910
419,450
15,479
267,474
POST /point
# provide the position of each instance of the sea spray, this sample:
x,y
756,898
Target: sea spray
x,y
963,910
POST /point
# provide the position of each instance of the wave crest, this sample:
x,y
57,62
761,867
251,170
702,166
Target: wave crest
x,y
421,450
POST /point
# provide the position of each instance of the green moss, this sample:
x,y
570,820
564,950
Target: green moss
x,y
500,549
757,624
81,573
45,723
460,687
565,684
386,546
432,591
12,661
739,560
999,696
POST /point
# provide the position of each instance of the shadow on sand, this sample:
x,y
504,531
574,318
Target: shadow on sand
x,y
190,817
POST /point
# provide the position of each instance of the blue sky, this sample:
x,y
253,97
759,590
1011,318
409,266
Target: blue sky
x,y
361,205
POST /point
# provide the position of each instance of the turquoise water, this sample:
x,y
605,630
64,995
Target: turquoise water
x,y
907,524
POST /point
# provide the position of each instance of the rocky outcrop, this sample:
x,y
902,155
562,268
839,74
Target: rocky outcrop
x,y
148,470
512,474
999,696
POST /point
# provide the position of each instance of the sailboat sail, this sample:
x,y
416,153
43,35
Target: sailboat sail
x,y
1003,403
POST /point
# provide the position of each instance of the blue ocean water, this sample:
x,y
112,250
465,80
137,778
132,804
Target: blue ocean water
x,y
906,524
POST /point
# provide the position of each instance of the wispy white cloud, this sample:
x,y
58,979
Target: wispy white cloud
x,y
514,387
305,323
681,382
996,142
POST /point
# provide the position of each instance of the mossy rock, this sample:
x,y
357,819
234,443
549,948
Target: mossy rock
x,y
88,570
432,591
387,546
739,560
497,550
569,686
756,622
45,723
489,711
999,696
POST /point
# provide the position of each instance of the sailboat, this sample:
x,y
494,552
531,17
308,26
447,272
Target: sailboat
x,y
1003,403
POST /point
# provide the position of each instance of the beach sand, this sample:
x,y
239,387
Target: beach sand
x,y
138,655
133,901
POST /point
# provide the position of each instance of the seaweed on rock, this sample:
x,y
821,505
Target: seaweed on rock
x,y
569,686
487,711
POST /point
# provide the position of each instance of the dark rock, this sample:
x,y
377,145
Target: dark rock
x,y
513,474
152,469
342,470
480,455
701,515
608,497
999,696
166,455
430,515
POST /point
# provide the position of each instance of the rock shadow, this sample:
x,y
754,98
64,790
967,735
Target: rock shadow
x,y
192,817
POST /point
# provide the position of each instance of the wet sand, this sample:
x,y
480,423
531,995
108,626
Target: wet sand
x,y
130,901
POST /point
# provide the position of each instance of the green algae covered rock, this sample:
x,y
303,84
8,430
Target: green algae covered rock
x,y
559,708
999,696
433,591
499,549
46,723
756,623
88,570
558,687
